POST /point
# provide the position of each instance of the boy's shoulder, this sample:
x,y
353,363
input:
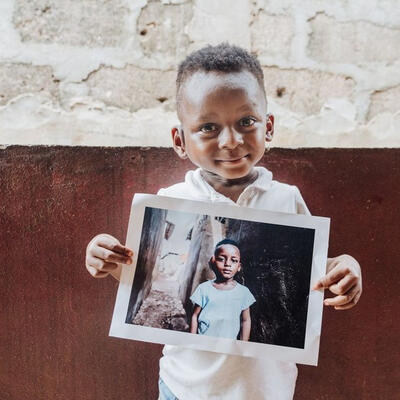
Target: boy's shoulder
x,y
192,188
206,284
203,287
243,288
285,190
287,198
285,187
179,190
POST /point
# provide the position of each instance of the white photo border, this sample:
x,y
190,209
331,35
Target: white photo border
x,y
308,355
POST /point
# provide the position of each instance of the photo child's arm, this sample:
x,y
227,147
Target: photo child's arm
x,y
194,323
104,256
245,325
343,278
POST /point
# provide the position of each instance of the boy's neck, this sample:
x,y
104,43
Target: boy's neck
x,y
231,188
224,283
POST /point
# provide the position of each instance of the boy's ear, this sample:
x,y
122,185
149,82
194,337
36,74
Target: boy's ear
x,y
269,134
211,263
178,141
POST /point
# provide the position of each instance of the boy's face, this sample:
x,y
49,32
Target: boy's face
x,y
226,261
224,122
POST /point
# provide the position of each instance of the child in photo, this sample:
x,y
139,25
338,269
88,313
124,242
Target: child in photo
x,y
225,128
222,306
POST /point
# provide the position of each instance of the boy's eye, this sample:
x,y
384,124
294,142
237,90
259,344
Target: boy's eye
x,y
209,127
248,121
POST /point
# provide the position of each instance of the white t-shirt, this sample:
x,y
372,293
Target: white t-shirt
x,y
201,375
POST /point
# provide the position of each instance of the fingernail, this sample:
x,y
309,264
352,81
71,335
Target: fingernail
x,y
326,302
129,261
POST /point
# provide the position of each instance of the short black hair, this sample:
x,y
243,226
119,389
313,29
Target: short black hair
x,y
223,57
226,241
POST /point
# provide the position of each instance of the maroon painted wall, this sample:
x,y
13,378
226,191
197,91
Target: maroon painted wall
x,y
54,317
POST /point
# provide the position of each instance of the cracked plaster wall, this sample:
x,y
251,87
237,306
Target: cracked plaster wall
x,y
99,72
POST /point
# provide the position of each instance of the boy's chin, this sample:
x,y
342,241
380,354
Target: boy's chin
x,y
235,175
228,174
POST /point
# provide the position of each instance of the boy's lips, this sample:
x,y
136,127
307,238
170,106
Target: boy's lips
x,y
226,271
232,160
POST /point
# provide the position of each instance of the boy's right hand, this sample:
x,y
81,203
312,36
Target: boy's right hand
x,y
104,254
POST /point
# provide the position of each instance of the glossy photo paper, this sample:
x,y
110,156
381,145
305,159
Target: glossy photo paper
x,y
177,281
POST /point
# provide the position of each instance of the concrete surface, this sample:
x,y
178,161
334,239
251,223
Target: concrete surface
x,y
55,317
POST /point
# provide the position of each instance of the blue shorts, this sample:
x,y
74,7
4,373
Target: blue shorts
x,y
165,393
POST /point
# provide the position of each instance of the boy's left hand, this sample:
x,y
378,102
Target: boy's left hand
x,y
343,278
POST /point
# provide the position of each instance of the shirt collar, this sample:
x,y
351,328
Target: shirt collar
x,y
202,189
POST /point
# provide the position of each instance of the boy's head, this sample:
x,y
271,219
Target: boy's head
x,y
222,107
223,58
226,259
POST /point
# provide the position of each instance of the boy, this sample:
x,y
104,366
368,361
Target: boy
x,y
222,107
222,305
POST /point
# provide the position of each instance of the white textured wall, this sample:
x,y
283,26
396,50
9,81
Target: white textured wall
x,y
99,72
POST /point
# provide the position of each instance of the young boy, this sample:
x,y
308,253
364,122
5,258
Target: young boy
x,y
222,107
222,306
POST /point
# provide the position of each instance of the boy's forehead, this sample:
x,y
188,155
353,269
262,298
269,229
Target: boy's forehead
x,y
227,247
212,79
202,84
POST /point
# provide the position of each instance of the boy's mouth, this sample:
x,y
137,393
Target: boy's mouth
x,y
232,160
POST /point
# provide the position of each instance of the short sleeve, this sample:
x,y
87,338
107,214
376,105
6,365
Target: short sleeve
x,y
197,297
301,207
248,299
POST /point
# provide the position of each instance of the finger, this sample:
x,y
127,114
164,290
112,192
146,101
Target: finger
x,y
351,304
110,256
96,273
113,244
344,285
119,248
342,299
331,277
101,265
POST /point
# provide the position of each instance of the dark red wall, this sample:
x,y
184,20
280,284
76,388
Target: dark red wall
x,y
54,317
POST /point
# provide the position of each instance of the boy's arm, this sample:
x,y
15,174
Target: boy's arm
x,y
245,325
343,278
194,323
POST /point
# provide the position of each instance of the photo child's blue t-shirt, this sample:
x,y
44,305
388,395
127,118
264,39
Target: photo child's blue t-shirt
x,y
221,309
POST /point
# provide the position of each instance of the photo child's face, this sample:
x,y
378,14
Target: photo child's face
x,y
224,122
226,261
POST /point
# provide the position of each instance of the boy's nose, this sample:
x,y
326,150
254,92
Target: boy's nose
x,y
229,138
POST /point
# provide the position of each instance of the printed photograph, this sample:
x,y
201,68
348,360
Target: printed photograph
x,y
215,276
